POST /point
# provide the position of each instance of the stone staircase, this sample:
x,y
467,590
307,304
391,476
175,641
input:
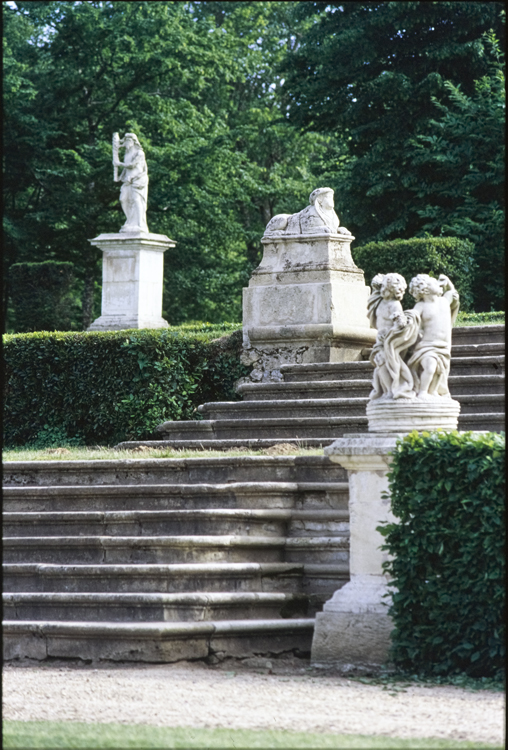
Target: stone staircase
x,y
317,403
159,560
168,559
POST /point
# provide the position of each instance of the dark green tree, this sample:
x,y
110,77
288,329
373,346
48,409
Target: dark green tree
x,y
464,158
196,82
372,71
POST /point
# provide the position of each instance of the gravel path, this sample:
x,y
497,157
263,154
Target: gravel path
x,y
234,696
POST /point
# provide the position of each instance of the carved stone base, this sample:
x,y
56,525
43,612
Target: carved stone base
x,y
354,627
306,302
269,347
132,280
406,415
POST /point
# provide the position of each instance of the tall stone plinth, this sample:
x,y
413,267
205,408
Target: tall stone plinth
x,y
306,302
132,280
354,627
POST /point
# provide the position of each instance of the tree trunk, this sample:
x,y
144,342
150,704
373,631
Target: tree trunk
x,y
87,300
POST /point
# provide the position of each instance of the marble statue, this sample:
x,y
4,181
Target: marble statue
x,y
392,377
134,178
437,304
411,355
318,217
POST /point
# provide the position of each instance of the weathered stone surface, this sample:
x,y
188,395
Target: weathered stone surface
x,y
306,301
354,627
132,280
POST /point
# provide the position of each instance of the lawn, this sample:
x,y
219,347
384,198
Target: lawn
x,y
55,735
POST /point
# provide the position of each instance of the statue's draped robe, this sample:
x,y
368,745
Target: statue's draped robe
x,y
441,353
134,192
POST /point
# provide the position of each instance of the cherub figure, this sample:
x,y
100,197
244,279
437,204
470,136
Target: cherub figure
x,y
396,331
437,303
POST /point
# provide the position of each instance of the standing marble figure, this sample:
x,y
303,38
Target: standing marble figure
x,y
134,176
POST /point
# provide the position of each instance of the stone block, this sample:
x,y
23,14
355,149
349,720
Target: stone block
x,y
132,280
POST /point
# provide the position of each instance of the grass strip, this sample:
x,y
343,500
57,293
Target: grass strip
x,y
70,735
98,453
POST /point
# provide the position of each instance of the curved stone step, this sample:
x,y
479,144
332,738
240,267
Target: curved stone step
x,y
460,365
298,495
172,471
141,607
328,389
153,642
176,578
326,408
203,521
280,428
174,549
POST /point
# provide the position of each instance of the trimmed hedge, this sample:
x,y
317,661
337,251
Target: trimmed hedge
x,y
448,552
102,388
433,255
41,295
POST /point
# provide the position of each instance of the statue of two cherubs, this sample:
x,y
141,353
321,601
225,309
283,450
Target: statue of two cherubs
x,y
412,352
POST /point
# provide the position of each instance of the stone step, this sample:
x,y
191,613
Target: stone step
x,y
180,607
327,407
302,431
478,335
154,642
174,471
360,388
175,549
464,350
242,522
156,497
280,429
463,365
293,408
281,577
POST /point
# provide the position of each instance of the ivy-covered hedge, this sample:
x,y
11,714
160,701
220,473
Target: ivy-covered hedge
x,y
448,548
102,388
433,255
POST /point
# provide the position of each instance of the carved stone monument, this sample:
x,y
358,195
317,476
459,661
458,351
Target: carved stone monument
x,y
133,259
411,357
412,354
307,300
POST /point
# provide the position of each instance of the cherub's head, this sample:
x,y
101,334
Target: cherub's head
x,y
393,286
423,284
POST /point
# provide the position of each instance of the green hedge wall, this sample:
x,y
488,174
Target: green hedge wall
x,y
433,255
448,552
102,388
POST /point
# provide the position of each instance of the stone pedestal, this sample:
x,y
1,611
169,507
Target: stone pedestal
x,y
354,627
132,280
306,302
404,415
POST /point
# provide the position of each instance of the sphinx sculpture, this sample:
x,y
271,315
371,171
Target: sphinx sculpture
x,y
412,352
318,217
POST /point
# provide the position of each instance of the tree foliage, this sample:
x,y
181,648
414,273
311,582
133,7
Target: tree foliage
x,y
374,72
243,108
195,82
464,159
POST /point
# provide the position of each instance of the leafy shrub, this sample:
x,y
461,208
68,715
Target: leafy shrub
x,y
41,295
447,569
480,319
432,255
103,387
